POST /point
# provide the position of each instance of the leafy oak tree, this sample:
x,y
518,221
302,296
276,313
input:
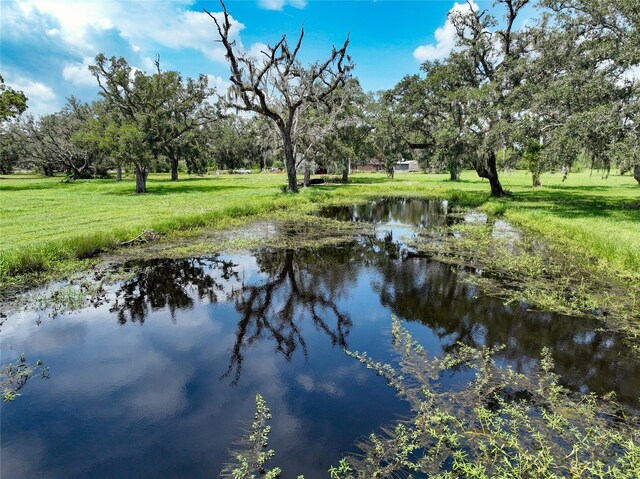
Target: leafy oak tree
x,y
49,142
491,50
462,110
332,134
152,114
348,144
597,47
431,113
386,139
574,99
12,104
12,140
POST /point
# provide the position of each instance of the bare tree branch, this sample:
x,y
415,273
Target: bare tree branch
x,y
278,86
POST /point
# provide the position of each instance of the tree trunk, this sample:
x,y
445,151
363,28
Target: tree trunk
x,y
78,173
141,179
290,162
454,172
174,167
496,187
307,173
391,172
489,170
119,173
636,172
48,171
346,171
536,179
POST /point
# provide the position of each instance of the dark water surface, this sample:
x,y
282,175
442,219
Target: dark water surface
x,y
158,381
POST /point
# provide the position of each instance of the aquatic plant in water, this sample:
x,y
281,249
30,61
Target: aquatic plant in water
x,y
502,424
15,375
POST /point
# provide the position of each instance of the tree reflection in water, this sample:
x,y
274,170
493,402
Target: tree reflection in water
x,y
414,212
586,356
169,283
300,284
316,286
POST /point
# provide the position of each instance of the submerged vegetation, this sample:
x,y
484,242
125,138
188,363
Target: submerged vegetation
x,y
502,424
15,375
519,266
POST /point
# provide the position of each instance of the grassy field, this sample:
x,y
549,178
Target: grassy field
x,y
45,223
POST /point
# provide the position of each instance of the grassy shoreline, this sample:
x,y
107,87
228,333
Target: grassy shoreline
x,y
50,228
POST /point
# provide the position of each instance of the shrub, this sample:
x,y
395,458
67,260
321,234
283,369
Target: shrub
x,y
502,425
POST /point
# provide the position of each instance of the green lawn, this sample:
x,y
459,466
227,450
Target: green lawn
x,y
45,222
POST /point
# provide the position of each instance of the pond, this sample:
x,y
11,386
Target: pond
x,y
159,379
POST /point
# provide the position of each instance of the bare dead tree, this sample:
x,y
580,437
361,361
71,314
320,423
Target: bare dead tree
x,y
278,86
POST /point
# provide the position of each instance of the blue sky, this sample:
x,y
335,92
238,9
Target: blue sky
x,y
46,45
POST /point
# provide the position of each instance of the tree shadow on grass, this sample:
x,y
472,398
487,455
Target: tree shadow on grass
x,y
33,184
126,187
579,201
356,180
165,186
334,183
163,189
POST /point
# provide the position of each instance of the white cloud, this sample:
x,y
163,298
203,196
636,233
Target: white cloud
x,y
148,64
13,24
78,73
279,4
145,25
445,37
188,29
75,18
219,83
256,51
65,36
41,98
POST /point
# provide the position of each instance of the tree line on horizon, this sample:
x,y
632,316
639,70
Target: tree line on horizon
x,y
542,95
